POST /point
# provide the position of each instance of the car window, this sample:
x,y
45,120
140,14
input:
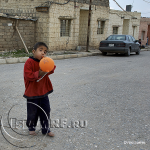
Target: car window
x,y
127,38
116,37
133,38
110,37
130,39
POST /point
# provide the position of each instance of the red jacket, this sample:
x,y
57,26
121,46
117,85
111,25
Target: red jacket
x,y
34,89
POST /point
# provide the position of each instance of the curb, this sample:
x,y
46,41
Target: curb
x,y
54,57
145,50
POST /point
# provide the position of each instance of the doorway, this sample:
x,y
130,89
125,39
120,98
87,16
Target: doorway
x,y
83,27
125,26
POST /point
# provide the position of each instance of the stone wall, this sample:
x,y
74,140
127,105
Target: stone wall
x,y
42,24
9,38
125,21
104,3
144,26
48,23
75,11
98,13
57,42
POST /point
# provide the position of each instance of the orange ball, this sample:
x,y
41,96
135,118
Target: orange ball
x,y
46,64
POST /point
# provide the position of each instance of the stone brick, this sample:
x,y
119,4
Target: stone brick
x,y
73,55
22,59
2,40
2,61
60,56
11,60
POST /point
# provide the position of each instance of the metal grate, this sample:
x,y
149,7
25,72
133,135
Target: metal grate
x,y
100,29
65,27
115,30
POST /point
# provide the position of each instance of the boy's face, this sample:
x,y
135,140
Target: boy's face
x,y
40,52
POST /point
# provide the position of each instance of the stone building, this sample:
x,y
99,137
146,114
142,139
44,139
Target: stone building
x,y
61,24
123,22
144,30
64,25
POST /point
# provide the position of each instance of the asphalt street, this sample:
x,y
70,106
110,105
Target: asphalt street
x,y
110,94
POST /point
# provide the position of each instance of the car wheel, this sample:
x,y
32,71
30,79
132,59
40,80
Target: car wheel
x,y
128,52
138,52
104,53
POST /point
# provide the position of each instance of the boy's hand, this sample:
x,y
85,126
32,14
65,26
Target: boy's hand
x,y
41,73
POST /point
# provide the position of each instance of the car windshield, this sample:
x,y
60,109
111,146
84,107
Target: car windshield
x,y
116,37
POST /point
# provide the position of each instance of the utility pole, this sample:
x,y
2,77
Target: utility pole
x,y
88,31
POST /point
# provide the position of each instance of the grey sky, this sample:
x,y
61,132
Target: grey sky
x,y
138,5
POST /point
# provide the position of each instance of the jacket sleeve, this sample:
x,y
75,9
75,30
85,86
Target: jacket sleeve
x,y
51,72
29,74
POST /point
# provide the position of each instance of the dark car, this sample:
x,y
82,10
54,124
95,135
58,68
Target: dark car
x,y
123,44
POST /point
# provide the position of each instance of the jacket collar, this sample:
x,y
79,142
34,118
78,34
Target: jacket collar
x,y
34,58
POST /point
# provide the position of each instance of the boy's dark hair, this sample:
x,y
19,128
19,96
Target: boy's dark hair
x,y
38,44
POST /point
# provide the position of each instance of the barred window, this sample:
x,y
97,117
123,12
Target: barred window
x,y
65,27
115,30
100,29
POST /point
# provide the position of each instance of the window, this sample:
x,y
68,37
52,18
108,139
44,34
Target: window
x,y
100,29
115,30
65,27
116,37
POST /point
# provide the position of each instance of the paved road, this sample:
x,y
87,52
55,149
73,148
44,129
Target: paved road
x,y
112,93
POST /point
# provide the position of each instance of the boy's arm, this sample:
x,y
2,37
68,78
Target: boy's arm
x,y
51,72
41,73
29,74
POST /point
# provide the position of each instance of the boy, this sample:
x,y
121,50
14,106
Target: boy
x,y
140,43
37,92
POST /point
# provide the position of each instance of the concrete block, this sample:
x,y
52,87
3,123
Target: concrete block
x,y
85,54
90,54
80,55
12,60
73,55
60,56
67,56
2,61
96,53
53,57
23,59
